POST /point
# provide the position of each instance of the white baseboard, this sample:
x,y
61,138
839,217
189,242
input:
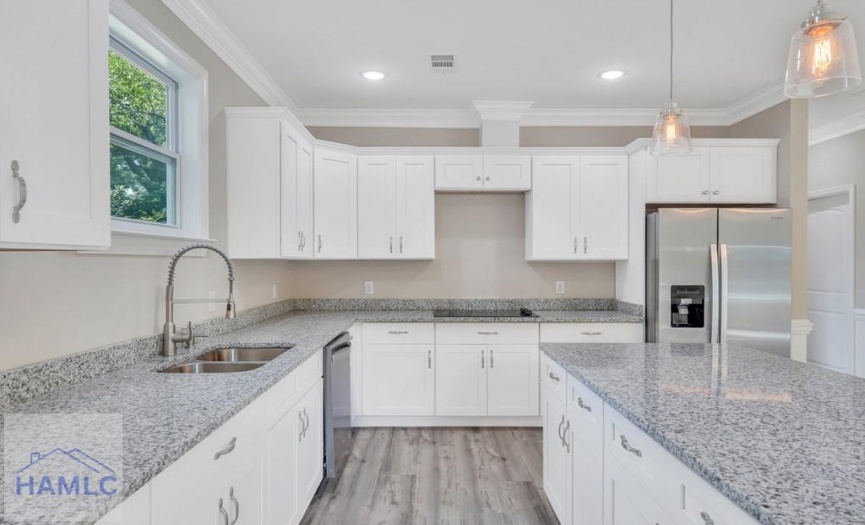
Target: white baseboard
x,y
447,421
799,330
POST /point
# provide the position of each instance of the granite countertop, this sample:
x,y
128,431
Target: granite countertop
x,y
165,415
782,439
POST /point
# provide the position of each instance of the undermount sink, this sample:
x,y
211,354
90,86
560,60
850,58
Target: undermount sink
x,y
242,355
211,368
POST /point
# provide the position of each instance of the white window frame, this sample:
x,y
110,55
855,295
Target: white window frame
x,y
190,142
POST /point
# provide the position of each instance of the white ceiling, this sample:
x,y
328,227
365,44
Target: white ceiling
x,y
547,51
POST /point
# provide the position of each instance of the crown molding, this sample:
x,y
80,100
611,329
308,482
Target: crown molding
x,y
207,25
390,118
761,100
839,128
501,110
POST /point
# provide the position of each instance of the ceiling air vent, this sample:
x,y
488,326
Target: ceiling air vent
x,y
442,63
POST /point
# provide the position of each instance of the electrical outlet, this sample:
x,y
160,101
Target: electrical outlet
x,y
211,307
368,287
274,293
560,287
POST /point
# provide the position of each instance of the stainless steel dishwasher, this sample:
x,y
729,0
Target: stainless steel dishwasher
x,y
337,404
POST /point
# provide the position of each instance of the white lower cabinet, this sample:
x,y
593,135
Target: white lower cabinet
x,y
586,415
513,385
625,501
310,448
558,473
461,380
398,380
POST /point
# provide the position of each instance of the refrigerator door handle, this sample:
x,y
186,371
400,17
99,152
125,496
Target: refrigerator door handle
x,y
716,289
725,270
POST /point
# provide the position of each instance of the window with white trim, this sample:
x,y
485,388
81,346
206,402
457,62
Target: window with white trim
x,y
158,145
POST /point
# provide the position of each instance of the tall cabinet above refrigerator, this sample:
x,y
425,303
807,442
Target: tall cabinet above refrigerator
x,y
719,275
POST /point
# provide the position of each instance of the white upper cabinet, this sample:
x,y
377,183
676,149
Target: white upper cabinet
x,y
717,174
507,172
459,172
396,207
483,173
54,107
335,205
296,206
578,208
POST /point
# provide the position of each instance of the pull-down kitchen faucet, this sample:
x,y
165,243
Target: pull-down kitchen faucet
x,y
169,337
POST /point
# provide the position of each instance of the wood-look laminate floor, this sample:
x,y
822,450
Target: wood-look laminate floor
x,y
428,476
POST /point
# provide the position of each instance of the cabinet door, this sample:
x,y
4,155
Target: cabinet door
x,y
280,469
586,414
185,493
415,207
513,380
242,495
626,502
376,207
335,207
743,174
398,380
57,131
603,208
459,172
461,380
557,458
291,240
304,198
310,448
507,172
254,163
679,178
549,221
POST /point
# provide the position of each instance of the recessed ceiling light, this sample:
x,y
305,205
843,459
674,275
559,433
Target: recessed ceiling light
x,y
612,74
373,75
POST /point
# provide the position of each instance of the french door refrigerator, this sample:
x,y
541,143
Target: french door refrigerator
x,y
719,275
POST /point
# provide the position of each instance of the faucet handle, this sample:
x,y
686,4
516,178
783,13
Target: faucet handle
x,y
190,335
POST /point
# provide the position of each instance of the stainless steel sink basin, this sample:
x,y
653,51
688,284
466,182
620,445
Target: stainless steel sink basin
x,y
211,368
242,355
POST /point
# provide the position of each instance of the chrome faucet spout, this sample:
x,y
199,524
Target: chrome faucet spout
x,y
169,336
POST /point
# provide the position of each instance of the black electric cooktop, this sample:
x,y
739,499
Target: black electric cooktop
x,y
522,312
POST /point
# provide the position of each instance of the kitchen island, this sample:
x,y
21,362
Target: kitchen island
x,y
783,440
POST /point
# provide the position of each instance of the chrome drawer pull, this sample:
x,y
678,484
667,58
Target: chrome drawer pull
x,y
561,436
319,243
397,332
222,511
391,245
488,333
400,244
492,356
554,377
236,505
302,427
483,354
706,518
226,450
565,437
583,405
22,192
592,333
629,448
585,245
429,359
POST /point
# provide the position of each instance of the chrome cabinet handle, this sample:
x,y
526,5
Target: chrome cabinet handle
x,y
488,333
576,242
565,437
583,405
305,425
561,438
22,192
226,450
299,241
483,354
488,177
554,377
236,505
705,192
222,511
319,243
706,518
585,245
429,359
716,192
397,332
302,241
400,244
592,333
492,355
391,245
478,177
629,448
302,427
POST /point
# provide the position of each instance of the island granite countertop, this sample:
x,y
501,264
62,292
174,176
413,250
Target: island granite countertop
x,y
782,439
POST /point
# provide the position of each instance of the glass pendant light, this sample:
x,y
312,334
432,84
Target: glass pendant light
x,y
823,56
672,134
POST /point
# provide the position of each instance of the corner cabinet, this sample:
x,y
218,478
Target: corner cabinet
x,y
335,204
723,171
396,207
578,208
59,141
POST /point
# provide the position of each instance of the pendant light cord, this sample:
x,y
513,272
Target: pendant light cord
x,y
671,50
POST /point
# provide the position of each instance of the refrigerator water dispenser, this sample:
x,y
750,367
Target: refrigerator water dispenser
x,y
687,306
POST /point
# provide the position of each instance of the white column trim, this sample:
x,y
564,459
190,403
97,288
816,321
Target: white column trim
x,y
799,331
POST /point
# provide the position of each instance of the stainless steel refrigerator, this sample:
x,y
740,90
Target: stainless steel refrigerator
x,y
719,275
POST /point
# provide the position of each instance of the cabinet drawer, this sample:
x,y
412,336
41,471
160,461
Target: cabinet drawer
x,y
398,333
643,458
280,398
309,372
699,503
486,333
592,332
586,412
555,377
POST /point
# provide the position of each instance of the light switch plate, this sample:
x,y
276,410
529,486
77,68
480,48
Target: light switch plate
x,y
560,287
368,287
